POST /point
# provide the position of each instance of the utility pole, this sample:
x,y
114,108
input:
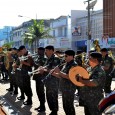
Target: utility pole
x,y
89,26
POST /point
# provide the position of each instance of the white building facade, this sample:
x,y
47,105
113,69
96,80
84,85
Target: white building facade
x,y
69,32
80,29
62,31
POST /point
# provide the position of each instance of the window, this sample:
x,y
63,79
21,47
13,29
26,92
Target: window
x,y
54,33
65,31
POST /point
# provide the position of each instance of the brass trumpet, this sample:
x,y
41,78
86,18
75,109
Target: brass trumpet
x,y
22,58
33,72
37,71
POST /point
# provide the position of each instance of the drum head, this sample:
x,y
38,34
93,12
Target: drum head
x,y
75,71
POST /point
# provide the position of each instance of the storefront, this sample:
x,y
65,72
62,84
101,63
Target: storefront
x,y
108,43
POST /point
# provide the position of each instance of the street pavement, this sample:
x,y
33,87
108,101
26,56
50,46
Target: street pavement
x,y
14,107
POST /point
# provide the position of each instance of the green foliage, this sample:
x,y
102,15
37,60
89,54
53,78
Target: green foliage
x,y
35,32
8,45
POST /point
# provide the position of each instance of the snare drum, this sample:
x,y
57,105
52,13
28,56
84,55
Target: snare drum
x,y
110,109
107,101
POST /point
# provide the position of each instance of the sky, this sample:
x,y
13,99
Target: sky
x,y
40,9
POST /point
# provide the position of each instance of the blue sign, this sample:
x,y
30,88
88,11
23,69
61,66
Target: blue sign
x,y
81,43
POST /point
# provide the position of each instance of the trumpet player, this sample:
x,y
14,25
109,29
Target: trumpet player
x,y
18,76
26,66
40,61
67,87
14,77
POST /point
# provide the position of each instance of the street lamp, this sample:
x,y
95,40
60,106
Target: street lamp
x,y
27,16
90,6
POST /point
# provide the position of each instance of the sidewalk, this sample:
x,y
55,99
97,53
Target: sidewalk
x,y
14,107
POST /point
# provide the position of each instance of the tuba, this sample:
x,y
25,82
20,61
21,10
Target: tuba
x,y
96,45
7,61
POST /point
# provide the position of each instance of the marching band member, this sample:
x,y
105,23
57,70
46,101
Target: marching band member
x,y
14,77
52,83
108,66
19,77
3,68
40,61
67,87
26,66
91,94
9,68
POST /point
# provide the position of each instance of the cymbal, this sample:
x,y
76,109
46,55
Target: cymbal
x,y
78,70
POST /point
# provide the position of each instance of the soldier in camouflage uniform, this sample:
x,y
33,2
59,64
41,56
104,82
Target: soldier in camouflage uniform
x,y
108,66
67,87
91,94
9,68
40,61
26,66
51,82
19,77
14,77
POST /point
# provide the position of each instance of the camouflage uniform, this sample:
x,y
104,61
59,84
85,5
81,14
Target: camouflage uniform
x,y
52,84
40,61
108,62
91,96
14,76
3,70
68,89
26,78
19,78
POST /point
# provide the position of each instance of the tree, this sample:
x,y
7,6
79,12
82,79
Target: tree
x,y
36,32
7,45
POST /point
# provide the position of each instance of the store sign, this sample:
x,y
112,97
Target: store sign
x,y
76,31
110,43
